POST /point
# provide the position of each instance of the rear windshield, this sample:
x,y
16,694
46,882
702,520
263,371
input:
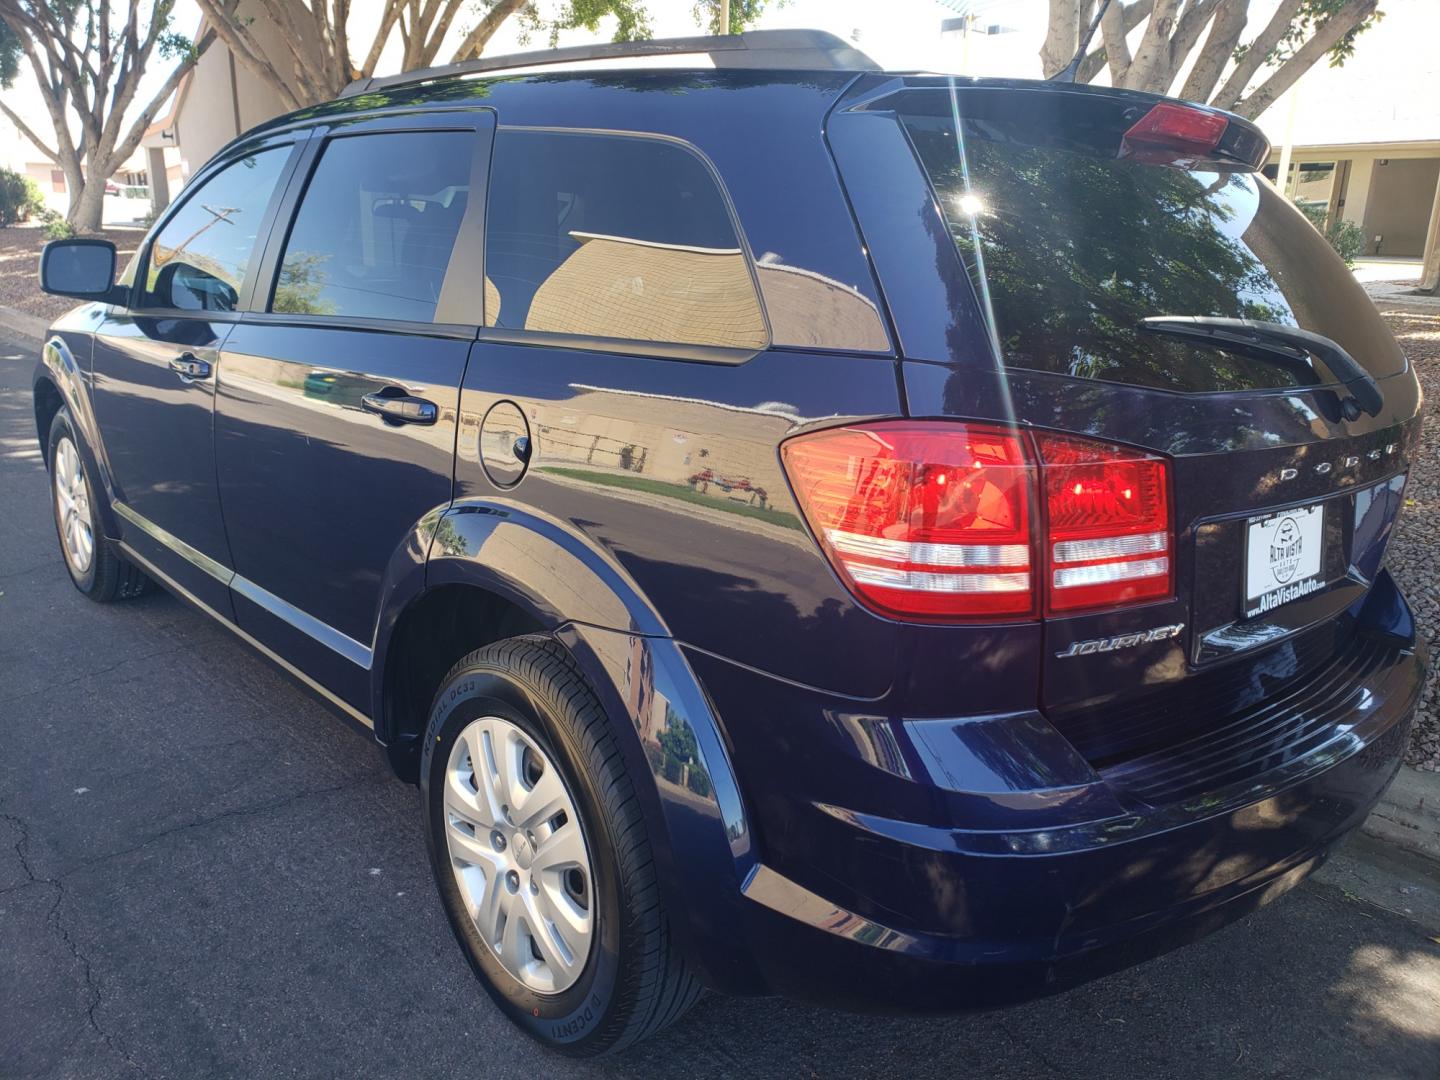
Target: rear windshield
x,y
1073,246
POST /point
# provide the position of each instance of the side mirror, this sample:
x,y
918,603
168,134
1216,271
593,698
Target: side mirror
x,y
84,269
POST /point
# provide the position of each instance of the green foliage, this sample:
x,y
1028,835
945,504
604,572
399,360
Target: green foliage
x,y
20,199
56,227
1347,238
743,13
633,20
9,55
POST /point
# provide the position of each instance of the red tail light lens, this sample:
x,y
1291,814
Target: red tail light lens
x,y
1108,538
928,520
1178,127
937,521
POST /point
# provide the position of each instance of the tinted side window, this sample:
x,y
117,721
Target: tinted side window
x,y
615,237
376,226
199,259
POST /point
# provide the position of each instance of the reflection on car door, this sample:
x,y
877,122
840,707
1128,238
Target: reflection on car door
x,y
335,424
155,372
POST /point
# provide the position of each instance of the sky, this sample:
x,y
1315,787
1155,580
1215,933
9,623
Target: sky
x,y
1386,92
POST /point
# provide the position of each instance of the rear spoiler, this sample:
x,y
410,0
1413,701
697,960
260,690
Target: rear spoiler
x,y
1148,127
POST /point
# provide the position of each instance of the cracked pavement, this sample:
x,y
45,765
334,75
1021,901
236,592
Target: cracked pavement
x,y
203,872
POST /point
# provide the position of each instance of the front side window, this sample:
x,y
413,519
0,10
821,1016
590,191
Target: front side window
x,y
376,226
614,237
199,259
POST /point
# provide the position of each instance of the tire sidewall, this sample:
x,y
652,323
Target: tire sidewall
x,y
578,1014
61,428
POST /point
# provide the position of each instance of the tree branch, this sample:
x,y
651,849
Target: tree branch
x,y
229,29
1153,53
1225,31
475,41
1347,18
127,145
1117,50
1256,54
24,129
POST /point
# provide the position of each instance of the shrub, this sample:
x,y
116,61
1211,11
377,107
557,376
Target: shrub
x,y
1348,239
19,197
1345,237
56,227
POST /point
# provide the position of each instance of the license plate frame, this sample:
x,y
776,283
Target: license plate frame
x,y
1284,557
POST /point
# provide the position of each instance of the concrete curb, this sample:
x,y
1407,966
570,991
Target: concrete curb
x,y
1408,816
29,329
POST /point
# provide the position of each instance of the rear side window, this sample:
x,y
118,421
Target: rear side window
x,y
199,259
376,226
1073,243
614,237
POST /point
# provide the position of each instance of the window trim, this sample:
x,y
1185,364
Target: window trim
x,y
463,258
662,350
134,305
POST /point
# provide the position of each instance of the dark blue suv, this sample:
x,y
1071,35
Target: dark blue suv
x,y
904,542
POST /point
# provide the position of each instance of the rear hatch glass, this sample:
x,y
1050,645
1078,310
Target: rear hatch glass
x,y
1072,241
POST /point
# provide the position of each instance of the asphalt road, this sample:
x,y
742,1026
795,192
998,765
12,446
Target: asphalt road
x,y
204,873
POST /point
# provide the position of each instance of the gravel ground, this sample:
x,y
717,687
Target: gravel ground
x,y
1413,556
20,261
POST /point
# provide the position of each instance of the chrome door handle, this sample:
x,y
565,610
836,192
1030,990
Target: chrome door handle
x,y
400,408
189,366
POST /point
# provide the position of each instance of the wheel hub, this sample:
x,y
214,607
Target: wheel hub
x,y
519,855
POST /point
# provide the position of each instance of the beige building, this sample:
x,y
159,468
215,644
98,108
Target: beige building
x,y
1388,189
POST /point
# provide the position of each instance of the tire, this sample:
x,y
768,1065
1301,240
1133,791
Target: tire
x,y
98,570
527,692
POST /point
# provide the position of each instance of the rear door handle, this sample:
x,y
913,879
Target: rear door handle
x,y
190,366
394,406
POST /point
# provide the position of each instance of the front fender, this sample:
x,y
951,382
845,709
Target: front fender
x,y
65,365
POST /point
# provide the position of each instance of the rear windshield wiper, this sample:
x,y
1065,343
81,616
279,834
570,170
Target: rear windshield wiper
x,y
1287,344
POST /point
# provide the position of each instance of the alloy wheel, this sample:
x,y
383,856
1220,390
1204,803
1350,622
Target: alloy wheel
x,y
72,507
519,854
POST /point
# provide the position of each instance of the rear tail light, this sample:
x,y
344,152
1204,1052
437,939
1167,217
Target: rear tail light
x,y
940,521
1107,516
1182,129
922,519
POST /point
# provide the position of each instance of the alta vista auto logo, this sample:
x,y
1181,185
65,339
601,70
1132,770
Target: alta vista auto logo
x,y
1285,549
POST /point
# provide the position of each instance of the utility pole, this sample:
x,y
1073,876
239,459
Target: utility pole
x,y
724,16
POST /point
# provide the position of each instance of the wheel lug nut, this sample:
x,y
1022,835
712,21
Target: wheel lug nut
x,y
512,881
534,887
497,840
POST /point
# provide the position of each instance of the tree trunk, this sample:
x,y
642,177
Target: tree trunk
x,y
1062,35
87,205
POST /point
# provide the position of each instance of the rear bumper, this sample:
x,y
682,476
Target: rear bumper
x,y
853,908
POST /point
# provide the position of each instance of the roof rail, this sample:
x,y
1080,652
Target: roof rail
x,y
775,50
